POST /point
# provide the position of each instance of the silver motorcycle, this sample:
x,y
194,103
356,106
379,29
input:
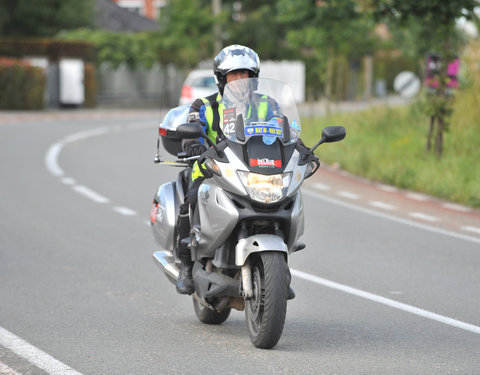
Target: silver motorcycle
x,y
249,215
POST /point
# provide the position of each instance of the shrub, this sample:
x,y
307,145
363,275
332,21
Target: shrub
x,y
21,86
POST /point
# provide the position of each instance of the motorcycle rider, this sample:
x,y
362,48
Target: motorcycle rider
x,y
232,63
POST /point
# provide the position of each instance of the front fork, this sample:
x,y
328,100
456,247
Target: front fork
x,y
247,280
255,244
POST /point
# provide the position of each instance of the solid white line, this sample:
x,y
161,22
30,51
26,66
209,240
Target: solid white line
x,y
471,229
5,370
90,194
124,211
382,205
382,215
347,194
386,301
419,215
34,355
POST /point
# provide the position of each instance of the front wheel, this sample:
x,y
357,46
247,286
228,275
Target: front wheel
x,y
208,316
265,311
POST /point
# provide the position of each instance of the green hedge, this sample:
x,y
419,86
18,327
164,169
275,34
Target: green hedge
x,y
21,86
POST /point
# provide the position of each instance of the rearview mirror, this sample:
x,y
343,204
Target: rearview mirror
x,y
333,134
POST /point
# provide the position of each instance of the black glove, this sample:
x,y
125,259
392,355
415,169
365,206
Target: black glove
x,y
196,149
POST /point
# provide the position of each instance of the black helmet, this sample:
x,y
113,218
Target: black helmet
x,y
234,57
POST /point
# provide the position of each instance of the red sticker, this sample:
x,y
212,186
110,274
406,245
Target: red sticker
x,y
265,163
153,212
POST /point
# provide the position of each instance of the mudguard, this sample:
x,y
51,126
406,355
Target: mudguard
x,y
258,243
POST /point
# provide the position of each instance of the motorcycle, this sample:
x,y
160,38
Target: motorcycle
x,y
249,215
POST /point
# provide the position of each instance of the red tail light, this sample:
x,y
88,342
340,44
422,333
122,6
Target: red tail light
x,y
163,132
187,92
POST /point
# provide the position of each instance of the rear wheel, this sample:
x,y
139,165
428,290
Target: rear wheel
x,y
208,316
266,310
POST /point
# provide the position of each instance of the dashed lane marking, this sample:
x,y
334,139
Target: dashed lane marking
x,y
382,205
90,194
419,215
383,215
418,197
125,211
348,195
320,186
456,207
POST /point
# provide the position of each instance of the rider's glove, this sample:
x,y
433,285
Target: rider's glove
x,y
196,149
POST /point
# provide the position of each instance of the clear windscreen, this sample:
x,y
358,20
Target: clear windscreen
x,y
256,107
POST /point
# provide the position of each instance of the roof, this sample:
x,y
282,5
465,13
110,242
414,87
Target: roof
x,y
109,16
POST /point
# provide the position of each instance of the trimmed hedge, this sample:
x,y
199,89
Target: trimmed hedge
x,y
52,49
21,86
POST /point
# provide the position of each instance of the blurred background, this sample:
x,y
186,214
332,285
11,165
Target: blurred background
x,y
337,55
89,53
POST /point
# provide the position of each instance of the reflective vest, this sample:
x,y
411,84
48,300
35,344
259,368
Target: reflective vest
x,y
212,132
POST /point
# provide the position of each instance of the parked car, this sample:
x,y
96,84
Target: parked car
x,y
198,84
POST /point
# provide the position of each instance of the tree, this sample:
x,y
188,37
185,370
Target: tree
x,y
432,21
186,35
43,18
324,30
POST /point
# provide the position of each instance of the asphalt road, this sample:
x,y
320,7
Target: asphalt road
x,y
379,290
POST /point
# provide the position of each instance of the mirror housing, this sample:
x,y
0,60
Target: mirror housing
x,y
333,134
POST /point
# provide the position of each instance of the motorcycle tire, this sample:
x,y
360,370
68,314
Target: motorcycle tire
x,y
265,312
208,316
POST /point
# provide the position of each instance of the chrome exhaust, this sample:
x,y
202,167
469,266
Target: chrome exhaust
x,y
166,262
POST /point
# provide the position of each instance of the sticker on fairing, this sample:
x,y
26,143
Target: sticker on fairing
x,y
263,128
264,162
153,212
229,121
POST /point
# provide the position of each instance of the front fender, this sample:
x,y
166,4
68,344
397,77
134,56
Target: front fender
x,y
258,243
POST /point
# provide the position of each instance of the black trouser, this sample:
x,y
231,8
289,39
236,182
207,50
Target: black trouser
x,y
183,221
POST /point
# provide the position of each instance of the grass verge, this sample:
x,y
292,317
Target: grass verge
x,y
388,145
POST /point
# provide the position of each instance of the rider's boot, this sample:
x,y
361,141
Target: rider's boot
x,y
184,282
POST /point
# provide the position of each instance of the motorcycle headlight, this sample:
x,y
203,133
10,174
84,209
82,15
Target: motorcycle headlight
x,y
265,189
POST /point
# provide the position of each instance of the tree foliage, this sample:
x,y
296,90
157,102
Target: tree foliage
x,y
43,18
433,22
321,30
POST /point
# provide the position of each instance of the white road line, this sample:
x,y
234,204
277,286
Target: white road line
x,y
51,159
34,355
5,370
125,211
347,194
418,197
386,301
382,205
390,189
320,186
457,207
68,181
90,194
471,229
419,215
338,202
